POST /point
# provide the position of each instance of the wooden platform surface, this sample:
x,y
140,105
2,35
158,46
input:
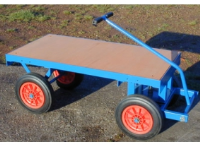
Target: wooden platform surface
x,y
102,55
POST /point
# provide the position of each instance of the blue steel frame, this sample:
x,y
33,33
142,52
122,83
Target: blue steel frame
x,y
135,84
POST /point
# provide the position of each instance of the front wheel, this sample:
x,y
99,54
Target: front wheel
x,y
34,93
139,117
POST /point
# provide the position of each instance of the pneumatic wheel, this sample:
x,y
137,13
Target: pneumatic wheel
x,y
34,93
69,80
139,117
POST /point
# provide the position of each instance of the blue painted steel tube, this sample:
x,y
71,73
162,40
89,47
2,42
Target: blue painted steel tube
x,y
129,35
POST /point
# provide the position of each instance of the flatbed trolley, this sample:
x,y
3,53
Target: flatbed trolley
x,y
148,73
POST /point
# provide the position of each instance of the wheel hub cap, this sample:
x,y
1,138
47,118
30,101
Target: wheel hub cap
x,y
32,95
137,119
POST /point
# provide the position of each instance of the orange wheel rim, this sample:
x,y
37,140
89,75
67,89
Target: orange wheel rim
x,y
137,119
66,78
32,95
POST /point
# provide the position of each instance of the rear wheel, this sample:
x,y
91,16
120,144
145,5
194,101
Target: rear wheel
x,y
34,93
139,117
68,80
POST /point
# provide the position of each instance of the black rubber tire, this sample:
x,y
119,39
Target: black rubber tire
x,y
150,106
44,85
76,82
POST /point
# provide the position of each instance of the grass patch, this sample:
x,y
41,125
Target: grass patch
x,y
130,21
31,6
53,13
115,37
78,16
12,47
42,18
27,16
2,17
81,32
192,23
67,12
64,24
33,39
104,8
38,9
11,9
2,6
11,30
150,34
142,37
88,17
2,59
20,6
163,27
147,7
22,16
31,27
189,63
129,6
108,27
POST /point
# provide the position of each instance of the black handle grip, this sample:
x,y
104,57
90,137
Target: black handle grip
x,y
99,19
109,14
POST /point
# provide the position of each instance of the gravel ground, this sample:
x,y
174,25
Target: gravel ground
x,y
84,114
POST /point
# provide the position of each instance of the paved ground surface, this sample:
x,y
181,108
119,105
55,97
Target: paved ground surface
x,y
84,114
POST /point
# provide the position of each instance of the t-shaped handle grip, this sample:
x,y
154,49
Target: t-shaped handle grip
x,y
99,19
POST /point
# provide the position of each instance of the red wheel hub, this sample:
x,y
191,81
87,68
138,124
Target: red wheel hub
x,y
137,119
32,95
66,78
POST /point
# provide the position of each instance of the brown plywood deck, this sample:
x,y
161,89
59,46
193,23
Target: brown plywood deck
x,y
109,56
